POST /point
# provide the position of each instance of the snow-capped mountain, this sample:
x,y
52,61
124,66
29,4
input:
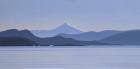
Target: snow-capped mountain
x,y
63,29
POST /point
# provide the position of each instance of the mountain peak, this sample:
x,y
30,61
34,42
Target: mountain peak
x,y
66,28
66,25
62,29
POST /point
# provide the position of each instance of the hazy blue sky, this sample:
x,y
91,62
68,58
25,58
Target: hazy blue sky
x,y
86,15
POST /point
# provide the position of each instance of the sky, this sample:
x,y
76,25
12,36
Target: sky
x,y
86,15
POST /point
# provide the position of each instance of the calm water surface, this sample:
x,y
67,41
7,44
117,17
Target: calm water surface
x,y
103,57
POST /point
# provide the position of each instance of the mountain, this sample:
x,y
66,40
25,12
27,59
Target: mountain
x,y
16,33
25,37
15,37
90,36
65,28
125,38
16,41
61,41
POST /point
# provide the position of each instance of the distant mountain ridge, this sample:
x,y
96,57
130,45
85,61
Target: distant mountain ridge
x,y
25,36
68,31
65,28
18,33
90,36
61,41
131,37
15,37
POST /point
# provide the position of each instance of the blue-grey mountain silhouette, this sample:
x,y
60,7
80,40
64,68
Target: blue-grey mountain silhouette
x,y
15,37
17,33
126,38
90,36
61,41
65,28
23,35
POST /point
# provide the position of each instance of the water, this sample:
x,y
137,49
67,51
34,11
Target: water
x,y
104,57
